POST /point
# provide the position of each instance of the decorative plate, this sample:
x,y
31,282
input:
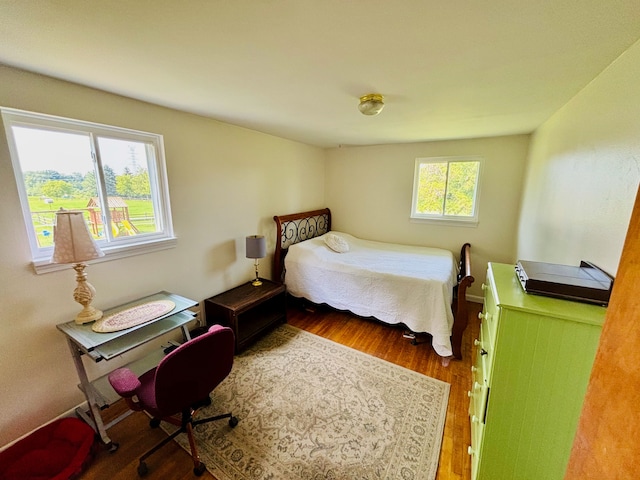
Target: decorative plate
x,y
133,316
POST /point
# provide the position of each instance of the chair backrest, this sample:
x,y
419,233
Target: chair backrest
x,y
190,372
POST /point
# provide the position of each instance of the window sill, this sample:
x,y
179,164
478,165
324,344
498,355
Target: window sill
x,y
445,222
112,253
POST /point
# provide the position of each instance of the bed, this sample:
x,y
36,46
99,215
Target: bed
x,y
421,288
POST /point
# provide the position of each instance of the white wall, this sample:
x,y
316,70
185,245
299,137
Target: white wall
x,y
583,172
225,183
369,192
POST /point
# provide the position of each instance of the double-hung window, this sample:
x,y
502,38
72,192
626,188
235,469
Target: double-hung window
x,y
446,189
115,176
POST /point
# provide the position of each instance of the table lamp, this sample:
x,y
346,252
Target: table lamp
x,y
256,249
74,244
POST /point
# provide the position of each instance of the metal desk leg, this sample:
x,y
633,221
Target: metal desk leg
x,y
95,418
185,333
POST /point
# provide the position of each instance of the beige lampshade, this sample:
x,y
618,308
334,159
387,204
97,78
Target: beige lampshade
x,y
72,241
256,246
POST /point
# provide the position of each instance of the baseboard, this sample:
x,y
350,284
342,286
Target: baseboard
x,y
474,298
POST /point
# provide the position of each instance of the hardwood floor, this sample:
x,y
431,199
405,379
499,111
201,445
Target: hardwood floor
x,y
385,342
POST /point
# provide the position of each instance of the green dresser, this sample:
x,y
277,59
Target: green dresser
x,y
533,359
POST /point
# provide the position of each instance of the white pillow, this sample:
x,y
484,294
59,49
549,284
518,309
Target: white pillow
x,y
336,243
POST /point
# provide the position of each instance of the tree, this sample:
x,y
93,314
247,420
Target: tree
x,y
124,186
34,181
141,185
89,185
57,188
110,180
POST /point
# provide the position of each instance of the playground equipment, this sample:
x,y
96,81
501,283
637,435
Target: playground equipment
x,y
120,222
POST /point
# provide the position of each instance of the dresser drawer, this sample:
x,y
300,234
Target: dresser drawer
x,y
484,355
477,430
477,407
490,313
477,382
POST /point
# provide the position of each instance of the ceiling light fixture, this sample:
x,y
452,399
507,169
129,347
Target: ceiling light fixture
x,y
371,104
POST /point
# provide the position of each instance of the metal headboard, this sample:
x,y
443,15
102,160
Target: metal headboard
x,y
295,228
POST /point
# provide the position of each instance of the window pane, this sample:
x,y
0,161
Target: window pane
x,y
446,189
126,165
65,163
58,172
461,188
431,188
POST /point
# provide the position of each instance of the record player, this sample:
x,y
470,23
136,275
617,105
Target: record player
x,y
586,283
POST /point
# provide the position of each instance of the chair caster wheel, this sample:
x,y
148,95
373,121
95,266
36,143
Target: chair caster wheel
x,y
200,469
154,423
142,469
233,421
112,447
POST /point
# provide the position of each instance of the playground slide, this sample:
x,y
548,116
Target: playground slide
x,y
127,226
130,229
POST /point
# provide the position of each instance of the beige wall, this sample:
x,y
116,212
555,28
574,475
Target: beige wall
x,y
369,192
583,172
225,183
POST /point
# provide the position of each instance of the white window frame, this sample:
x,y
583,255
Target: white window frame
x,y
467,221
113,248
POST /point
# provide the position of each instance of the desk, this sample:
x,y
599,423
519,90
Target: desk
x,y
82,340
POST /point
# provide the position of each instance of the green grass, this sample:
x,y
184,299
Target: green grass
x,y
43,215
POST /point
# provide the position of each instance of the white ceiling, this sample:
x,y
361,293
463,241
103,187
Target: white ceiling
x,y
295,68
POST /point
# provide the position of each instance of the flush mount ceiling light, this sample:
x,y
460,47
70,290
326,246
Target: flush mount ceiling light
x,y
371,104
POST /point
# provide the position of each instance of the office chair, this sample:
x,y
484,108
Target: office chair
x,y
178,386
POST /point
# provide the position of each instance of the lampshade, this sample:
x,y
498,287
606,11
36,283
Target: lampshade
x,y
371,104
256,246
72,241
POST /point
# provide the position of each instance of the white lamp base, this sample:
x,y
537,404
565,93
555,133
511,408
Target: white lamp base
x,y
83,294
88,314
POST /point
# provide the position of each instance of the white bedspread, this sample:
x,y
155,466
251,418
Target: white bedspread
x,y
393,283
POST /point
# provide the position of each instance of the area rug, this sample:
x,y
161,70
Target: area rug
x,y
310,408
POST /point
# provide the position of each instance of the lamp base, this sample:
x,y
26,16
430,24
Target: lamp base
x,y
83,294
256,282
88,314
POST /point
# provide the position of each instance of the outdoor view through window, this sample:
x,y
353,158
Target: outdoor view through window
x,y
446,189
112,175
58,172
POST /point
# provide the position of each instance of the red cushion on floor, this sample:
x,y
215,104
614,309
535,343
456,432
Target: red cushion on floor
x,y
57,451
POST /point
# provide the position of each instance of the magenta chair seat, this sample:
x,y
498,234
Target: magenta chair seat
x,y
179,385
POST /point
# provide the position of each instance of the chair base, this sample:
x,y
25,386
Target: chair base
x,y
187,424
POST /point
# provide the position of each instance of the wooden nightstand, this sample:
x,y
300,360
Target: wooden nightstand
x,y
249,311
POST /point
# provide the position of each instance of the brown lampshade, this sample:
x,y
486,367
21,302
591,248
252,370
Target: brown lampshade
x,y
72,241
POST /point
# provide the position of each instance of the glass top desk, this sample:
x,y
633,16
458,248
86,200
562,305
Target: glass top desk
x,y
82,340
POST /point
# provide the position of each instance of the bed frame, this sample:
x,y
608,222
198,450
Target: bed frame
x,y
297,227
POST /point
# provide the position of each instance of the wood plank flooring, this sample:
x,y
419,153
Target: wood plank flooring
x,y
172,462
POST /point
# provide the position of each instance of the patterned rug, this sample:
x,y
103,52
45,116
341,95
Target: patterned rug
x,y
310,408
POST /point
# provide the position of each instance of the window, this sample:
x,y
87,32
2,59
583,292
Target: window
x,y
446,189
117,177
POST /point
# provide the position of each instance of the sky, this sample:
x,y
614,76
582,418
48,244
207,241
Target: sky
x,y
68,153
